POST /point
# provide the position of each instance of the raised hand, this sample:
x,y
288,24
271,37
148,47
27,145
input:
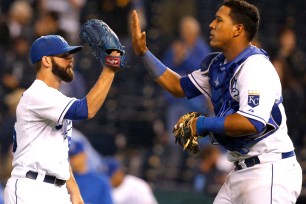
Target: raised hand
x,y
102,40
138,37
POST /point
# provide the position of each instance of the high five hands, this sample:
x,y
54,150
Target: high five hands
x,y
138,37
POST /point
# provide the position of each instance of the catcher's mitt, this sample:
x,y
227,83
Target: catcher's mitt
x,y
184,134
102,40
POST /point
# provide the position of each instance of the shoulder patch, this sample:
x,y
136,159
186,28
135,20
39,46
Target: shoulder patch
x,y
253,98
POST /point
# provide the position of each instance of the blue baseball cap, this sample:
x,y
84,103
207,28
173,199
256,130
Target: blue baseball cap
x,y
50,45
76,147
111,166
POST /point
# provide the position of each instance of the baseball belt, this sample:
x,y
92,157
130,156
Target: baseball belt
x,y
48,179
249,162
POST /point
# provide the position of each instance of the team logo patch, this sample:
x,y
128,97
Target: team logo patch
x,y
253,98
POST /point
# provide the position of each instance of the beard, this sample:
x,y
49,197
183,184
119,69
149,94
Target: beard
x,y
64,73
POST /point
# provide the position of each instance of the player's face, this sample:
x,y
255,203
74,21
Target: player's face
x,y
222,29
62,66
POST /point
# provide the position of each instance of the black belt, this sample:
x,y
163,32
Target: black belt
x,y
47,179
249,162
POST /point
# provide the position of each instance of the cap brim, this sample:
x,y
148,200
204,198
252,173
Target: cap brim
x,y
74,49
70,49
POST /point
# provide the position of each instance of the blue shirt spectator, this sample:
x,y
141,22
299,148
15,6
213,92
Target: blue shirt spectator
x,y
184,56
95,187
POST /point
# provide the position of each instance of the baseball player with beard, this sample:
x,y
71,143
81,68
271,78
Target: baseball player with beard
x,y
41,171
249,121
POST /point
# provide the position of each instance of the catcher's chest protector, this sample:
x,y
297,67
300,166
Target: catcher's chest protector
x,y
222,81
223,89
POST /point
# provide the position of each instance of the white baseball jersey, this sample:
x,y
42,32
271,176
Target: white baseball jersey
x,y
256,87
42,135
256,76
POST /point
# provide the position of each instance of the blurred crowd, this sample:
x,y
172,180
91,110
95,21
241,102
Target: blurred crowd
x,y
135,123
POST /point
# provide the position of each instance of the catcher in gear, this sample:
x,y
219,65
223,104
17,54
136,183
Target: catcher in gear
x,y
43,129
246,93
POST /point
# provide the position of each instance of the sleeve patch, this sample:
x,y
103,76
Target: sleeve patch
x,y
253,98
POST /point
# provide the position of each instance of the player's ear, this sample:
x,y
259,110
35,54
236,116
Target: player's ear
x,y
46,61
237,29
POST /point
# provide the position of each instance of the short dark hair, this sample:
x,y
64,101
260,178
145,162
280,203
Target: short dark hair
x,y
246,14
37,66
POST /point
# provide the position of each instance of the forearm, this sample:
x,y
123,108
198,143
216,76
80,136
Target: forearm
x,y
164,76
73,190
237,125
171,82
98,93
234,125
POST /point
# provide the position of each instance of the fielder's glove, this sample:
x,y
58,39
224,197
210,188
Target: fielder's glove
x,y
185,135
102,40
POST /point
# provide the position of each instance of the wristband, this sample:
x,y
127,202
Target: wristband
x,y
155,67
210,124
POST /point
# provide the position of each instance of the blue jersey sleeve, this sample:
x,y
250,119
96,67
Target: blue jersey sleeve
x,y
78,110
189,88
258,125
